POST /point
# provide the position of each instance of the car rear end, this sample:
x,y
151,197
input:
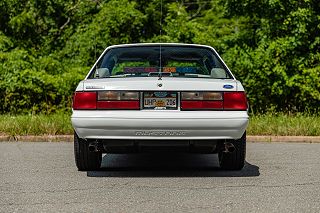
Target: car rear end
x,y
164,105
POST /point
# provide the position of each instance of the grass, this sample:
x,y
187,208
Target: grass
x,y
59,124
53,124
284,124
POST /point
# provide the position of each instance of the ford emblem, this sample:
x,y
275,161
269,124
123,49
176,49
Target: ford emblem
x,y
160,94
228,86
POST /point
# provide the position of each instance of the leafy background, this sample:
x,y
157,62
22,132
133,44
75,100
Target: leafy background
x,y
48,46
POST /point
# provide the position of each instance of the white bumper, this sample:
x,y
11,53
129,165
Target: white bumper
x,y
190,125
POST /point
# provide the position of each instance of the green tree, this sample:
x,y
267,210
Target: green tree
x,y
272,46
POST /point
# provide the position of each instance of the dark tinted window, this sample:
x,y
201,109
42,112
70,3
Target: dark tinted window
x,y
171,61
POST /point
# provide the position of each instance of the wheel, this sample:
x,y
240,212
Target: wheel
x,y
234,160
85,160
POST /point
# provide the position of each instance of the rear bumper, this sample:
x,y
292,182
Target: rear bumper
x,y
159,125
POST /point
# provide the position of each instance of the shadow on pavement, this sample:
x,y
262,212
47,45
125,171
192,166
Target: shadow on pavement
x,y
167,165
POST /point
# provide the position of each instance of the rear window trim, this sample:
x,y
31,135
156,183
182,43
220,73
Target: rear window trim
x,y
212,50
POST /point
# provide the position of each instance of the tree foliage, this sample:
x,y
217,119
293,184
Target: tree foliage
x,y
272,46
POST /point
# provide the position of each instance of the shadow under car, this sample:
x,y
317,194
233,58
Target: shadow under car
x,y
167,165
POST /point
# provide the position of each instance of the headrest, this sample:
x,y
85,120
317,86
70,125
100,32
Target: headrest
x,y
218,73
102,72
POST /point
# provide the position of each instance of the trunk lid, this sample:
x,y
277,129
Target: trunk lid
x,y
154,84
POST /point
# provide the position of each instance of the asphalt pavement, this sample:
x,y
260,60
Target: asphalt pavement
x,y
42,177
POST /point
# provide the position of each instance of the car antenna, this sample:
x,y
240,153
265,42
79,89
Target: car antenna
x,y
160,53
95,55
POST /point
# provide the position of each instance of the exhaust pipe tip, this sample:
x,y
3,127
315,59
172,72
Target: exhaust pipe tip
x,y
92,148
232,149
229,147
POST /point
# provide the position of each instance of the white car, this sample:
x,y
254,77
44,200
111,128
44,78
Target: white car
x,y
160,97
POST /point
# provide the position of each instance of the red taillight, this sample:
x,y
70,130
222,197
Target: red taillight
x,y
189,100
84,100
201,100
201,105
118,105
235,101
213,101
99,100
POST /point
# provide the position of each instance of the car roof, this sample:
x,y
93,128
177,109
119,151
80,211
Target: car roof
x,y
158,44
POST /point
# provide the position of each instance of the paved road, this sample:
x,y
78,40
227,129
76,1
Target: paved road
x,y
278,177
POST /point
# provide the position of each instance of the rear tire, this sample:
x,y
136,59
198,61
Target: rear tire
x,y
236,159
85,160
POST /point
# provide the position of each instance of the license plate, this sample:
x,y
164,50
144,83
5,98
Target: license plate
x,y
160,100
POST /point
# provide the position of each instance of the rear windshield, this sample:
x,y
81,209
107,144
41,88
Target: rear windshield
x,y
165,61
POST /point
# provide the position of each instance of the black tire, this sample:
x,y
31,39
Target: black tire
x,y
234,160
85,160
